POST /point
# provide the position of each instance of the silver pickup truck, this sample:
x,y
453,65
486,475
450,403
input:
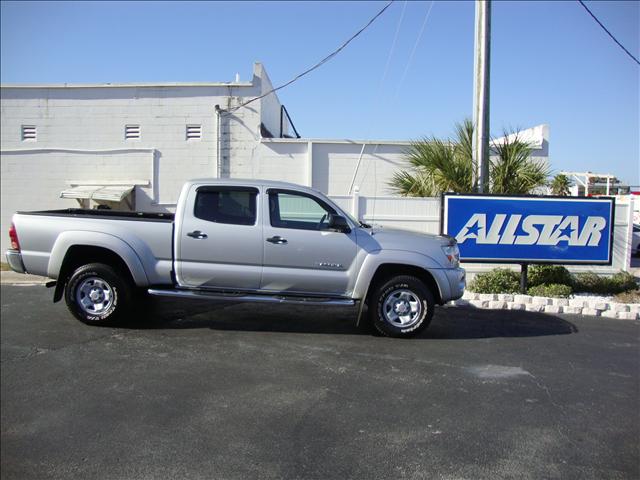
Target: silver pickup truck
x,y
247,241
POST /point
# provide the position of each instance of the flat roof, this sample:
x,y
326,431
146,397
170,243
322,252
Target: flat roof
x,y
127,85
335,140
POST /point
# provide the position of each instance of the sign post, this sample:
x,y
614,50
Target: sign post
x,y
524,267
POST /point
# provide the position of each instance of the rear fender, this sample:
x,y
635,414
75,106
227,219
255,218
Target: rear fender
x,y
118,246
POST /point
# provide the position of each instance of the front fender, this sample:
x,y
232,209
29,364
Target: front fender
x,y
414,259
118,246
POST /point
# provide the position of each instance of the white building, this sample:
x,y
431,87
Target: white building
x,y
137,143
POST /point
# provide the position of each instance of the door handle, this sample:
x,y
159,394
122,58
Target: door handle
x,y
277,240
197,234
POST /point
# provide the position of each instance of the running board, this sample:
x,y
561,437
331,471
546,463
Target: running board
x,y
241,297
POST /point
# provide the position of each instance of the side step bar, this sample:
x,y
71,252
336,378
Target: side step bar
x,y
241,297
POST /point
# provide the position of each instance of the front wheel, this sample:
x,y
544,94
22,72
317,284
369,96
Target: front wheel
x,y
402,307
97,294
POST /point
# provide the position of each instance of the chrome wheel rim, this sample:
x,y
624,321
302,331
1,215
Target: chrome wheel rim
x,y
94,296
402,308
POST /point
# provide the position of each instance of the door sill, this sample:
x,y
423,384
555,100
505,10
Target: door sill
x,y
244,297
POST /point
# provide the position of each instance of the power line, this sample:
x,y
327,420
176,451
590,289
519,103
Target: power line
x,y
397,92
392,49
376,101
319,64
413,50
608,32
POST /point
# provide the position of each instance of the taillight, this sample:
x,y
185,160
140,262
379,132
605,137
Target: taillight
x,y
13,235
452,253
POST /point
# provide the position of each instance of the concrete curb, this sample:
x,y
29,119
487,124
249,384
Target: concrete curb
x,y
577,305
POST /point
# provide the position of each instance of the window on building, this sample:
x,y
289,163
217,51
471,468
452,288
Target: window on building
x,y
29,133
232,205
194,132
296,210
131,132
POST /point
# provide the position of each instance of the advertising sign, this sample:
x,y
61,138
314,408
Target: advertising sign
x,y
530,229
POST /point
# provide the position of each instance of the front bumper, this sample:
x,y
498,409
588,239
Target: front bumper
x,y
14,259
457,282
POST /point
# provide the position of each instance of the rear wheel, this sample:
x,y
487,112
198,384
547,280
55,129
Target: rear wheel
x,y
401,307
97,294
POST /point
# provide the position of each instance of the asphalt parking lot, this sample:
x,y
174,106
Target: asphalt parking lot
x,y
204,391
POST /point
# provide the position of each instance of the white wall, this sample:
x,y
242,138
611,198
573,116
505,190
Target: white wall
x,y
330,165
334,165
270,105
94,119
80,136
43,175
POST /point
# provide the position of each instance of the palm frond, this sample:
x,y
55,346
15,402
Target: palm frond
x,y
560,185
512,170
411,185
437,166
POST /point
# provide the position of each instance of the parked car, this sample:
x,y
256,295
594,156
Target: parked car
x,y
635,241
253,241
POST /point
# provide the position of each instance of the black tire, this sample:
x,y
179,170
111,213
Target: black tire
x,y
106,284
401,292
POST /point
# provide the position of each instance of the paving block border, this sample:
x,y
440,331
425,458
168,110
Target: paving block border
x,y
595,306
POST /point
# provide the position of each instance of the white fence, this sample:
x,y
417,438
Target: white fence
x,y
423,215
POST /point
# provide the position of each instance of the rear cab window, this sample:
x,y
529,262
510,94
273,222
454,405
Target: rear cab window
x,y
229,205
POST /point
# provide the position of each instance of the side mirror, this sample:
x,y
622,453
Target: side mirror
x,y
338,223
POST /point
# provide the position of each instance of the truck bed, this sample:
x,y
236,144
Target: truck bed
x,y
149,235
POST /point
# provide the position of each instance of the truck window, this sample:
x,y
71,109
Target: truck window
x,y
236,206
296,210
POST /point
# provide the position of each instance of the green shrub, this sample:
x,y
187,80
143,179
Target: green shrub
x,y
552,281
593,283
589,282
551,290
624,281
548,275
498,280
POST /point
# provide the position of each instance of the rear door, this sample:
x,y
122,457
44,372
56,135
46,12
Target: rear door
x,y
220,238
300,254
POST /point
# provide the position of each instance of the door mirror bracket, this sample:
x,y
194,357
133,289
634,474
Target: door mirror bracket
x,y
338,223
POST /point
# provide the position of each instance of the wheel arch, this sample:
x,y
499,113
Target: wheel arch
x,y
367,281
386,271
64,261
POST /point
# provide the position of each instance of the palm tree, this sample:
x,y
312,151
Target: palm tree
x,y
512,171
560,185
437,166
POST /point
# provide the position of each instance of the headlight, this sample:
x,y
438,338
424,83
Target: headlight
x,y
452,253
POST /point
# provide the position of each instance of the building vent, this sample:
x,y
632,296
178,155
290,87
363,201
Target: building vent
x,y
28,133
131,132
194,132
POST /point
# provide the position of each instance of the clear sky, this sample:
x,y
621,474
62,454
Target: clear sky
x,y
551,63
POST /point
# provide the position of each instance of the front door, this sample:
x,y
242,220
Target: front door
x,y
300,254
220,239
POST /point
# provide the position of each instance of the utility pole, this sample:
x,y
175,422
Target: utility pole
x,y
482,62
